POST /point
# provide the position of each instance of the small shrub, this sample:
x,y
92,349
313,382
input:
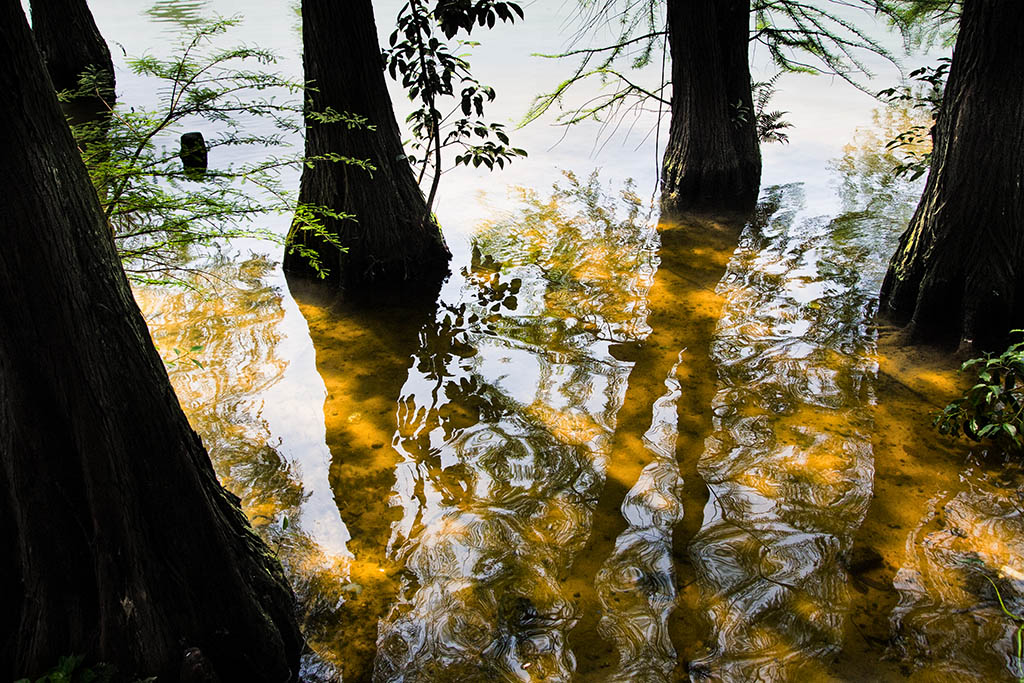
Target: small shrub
x,y
992,409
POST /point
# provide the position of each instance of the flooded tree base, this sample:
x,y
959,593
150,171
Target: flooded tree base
x,y
619,451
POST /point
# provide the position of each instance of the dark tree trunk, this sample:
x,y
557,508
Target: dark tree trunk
x,y
958,273
70,43
712,161
116,540
392,242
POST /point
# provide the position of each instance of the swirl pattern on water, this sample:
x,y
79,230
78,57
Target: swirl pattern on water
x,y
636,585
504,427
948,621
789,463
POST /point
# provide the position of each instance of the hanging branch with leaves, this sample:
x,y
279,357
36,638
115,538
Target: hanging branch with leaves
x,y
914,145
801,36
429,69
163,215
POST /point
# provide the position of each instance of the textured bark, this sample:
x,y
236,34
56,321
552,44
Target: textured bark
x,y
712,161
117,541
392,243
70,43
958,273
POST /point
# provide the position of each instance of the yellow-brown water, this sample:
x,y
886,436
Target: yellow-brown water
x,y
616,451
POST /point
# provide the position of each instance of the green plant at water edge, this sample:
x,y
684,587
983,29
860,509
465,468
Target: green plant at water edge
x,y
770,124
1018,636
163,215
72,670
993,408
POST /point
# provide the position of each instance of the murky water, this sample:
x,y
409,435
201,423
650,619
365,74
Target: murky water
x,y
613,449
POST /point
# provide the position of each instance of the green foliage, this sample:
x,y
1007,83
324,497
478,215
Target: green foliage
x,y
810,37
1018,620
430,70
925,96
770,124
993,408
162,215
181,356
806,37
925,23
72,670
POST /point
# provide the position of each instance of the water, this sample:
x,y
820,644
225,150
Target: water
x,y
613,449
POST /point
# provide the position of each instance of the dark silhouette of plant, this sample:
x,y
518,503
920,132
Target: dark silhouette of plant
x,y
430,70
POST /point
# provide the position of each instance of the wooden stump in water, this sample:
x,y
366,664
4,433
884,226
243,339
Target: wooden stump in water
x,y
194,155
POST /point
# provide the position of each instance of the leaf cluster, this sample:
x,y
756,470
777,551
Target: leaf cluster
x,y
924,23
462,15
770,124
423,57
811,37
993,408
914,143
163,215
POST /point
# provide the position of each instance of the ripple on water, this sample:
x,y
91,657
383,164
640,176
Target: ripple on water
x,y
789,462
504,444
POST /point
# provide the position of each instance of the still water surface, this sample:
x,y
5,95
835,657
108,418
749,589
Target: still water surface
x,y
614,449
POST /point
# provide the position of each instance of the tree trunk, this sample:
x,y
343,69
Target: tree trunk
x,y
958,273
117,541
70,43
392,242
712,161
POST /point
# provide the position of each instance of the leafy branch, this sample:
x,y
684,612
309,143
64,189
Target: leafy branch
x,y
430,71
914,144
160,213
993,408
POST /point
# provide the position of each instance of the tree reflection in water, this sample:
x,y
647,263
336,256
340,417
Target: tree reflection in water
x,y
789,464
513,463
504,429
226,387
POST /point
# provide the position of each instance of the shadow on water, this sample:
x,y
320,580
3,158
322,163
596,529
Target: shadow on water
x,y
362,355
631,569
505,427
788,464
939,522
616,452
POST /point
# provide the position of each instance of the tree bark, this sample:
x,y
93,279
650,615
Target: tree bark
x,y
712,161
958,273
70,43
117,541
392,242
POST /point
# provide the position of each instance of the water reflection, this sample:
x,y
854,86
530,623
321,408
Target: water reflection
x,y
181,13
362,354
948,620
876,203
224,342
634,565
504,430
789,464
613,453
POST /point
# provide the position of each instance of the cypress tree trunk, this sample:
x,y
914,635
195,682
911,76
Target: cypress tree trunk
x,y
116,540
70,43
958,273
392,242
712,161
